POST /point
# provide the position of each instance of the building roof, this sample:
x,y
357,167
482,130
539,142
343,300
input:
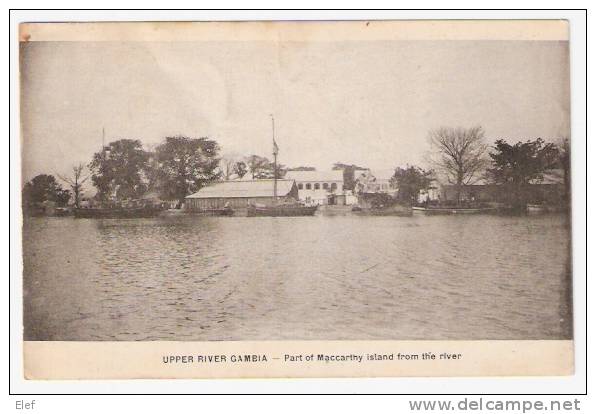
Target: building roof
x,y
334,175
244,189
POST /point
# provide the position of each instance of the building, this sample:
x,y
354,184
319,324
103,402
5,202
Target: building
x,y
319,187
431,194
241,194
472,192
375,181
549,189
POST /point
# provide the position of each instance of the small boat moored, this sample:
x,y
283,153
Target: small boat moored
x,y
225,211
543,208
395,210
281,210
453,210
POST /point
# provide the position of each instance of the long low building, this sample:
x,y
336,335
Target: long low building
x,y
550,189
241,194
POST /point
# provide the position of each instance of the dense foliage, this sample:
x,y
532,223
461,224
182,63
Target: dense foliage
x,y
516,165
410,181
184,165
119,171
44,188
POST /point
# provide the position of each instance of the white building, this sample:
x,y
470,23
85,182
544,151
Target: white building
x,y
319,187
375,181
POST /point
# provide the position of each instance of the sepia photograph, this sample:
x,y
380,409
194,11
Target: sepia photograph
x,y
295,186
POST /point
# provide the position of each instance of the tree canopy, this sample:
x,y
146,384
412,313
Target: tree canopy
x,y
240,168
256,165
261,167
522,162
120,170
410,181
185,165
459,154
43,188
565,165
515,165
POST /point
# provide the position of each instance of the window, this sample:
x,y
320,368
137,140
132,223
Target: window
x,y
333,186
308,186
317,186
300,186
325,186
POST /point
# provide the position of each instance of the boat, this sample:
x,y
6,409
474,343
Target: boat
x,y
453,210
536,208
286,208
118,212
281,210
396,210
225,211
174,212
204,212
543,208
44,211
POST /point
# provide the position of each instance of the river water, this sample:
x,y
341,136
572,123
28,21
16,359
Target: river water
x,y
299,278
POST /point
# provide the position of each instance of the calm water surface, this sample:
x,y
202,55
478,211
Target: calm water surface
x,y
343,277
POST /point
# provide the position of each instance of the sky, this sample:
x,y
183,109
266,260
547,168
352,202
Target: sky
x,y
370,103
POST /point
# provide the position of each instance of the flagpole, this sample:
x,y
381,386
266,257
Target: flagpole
x,y
274,159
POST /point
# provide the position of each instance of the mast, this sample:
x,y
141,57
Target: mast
x,y
275,151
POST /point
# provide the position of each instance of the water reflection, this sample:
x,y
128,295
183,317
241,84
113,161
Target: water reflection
x,y
342,277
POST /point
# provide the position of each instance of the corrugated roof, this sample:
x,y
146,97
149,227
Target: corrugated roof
x,y
334,175
240,189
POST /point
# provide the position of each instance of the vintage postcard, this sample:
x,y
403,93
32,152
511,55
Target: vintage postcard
x,y
296,199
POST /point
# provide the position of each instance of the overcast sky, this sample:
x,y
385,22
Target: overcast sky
x,y
368,103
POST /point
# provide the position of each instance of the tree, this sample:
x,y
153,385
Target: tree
x,y
410,181
120,170
514,166
349,171
257,165
240,168
565,164
459,154
76,182
151,173
44,188
185,165
271,169
261,168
